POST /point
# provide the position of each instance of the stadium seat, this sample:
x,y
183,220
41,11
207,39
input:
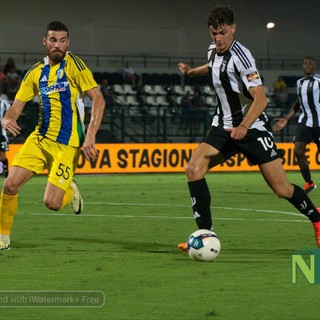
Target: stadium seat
x,y
151,100
211,101
132,100
127,88
208,91
188,88
178,90
159,90
162,101
118,89
148,89
122,100
178,99
182,90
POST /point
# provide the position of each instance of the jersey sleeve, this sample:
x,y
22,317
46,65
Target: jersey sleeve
x,y
246,65
82,74
85,80
26,90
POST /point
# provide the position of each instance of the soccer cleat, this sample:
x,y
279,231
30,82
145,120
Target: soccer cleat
x,y
4,244
309,187
182,246
77,202
316,226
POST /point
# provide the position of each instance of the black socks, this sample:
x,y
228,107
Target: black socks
x,y
306,175
201,199
303,203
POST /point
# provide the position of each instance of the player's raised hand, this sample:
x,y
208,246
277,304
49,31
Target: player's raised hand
x,y
184,68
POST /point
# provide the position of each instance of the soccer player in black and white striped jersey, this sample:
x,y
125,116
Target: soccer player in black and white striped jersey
x,y
4,142
239,125
308,127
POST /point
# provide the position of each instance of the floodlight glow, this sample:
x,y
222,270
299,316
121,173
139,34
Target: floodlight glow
x,y
270,25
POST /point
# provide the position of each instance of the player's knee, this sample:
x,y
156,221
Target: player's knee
x,y
284,192
9,187
192,171
52,205
189,169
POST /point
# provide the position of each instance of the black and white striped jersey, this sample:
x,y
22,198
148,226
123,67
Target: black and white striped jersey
x,y
308,91
232,74
4,106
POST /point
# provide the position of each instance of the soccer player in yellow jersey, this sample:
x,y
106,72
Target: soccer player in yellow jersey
x,y
60,80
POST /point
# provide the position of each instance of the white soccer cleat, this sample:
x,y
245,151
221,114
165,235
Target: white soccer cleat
x,y
77,202
4,244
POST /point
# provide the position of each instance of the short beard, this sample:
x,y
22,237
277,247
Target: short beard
x,y
57,58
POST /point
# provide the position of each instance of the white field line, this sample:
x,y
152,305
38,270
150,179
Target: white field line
x,y
172,217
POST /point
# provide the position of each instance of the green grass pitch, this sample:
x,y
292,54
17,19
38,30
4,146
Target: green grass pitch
x,y
124,244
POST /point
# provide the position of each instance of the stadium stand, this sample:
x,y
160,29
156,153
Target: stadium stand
x,y
151,112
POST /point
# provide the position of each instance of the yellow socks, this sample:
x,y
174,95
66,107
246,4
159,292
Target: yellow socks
x,y
67,197
8,210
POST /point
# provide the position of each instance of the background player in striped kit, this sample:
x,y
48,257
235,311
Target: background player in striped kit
x,y
239,125
308,127
60,79
4,143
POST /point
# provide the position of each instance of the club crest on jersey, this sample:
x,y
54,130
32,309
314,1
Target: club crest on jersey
x,y
60,73
253,75
223,66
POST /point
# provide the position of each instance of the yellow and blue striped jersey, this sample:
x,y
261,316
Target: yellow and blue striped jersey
x,y
60,88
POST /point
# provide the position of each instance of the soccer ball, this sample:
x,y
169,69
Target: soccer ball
x,y
203,245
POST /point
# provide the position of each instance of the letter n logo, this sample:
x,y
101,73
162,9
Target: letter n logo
x,y
308,262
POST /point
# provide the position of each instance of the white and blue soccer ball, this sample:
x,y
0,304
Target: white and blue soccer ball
x,y
203,245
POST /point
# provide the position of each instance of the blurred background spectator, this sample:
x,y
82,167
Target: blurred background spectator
x,y
129,76
280,91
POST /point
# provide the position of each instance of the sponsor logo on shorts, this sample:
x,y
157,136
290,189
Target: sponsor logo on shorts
x,y
62,181
273,153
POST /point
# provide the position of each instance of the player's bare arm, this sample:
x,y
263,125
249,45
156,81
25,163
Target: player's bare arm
x,y
282,122
258,106
98,103
193,72
9,122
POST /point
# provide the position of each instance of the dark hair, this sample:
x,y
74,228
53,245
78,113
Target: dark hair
x,y
221,15
309,58
57,26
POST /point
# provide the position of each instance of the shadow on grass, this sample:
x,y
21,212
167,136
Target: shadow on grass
x,y
245,255
125,245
